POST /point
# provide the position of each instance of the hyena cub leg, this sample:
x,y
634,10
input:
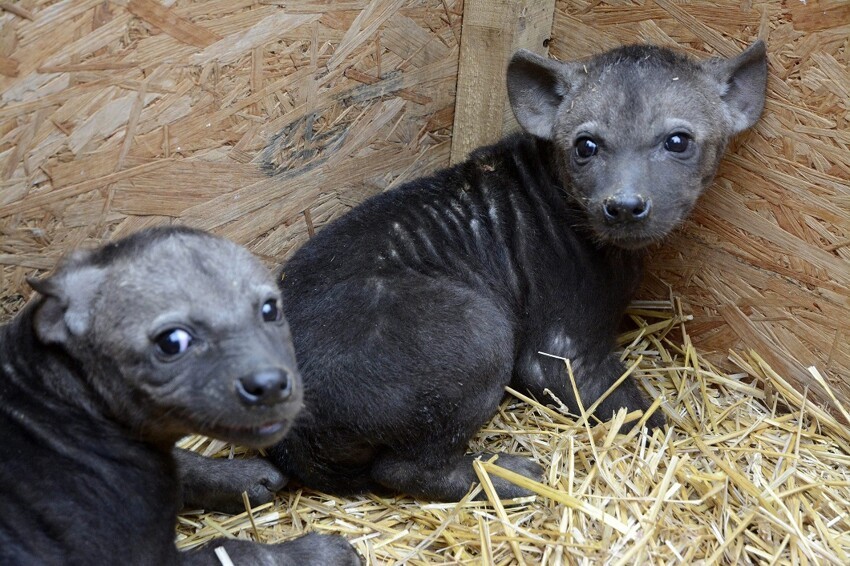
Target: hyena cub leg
x,y
542,377
217,484
627,394
438,476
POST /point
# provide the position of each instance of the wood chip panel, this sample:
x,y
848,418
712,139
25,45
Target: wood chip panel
x,y
258,120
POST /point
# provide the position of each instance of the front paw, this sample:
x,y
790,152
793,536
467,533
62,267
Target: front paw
x,y
319,550
521,465
260,479
217,483
656,420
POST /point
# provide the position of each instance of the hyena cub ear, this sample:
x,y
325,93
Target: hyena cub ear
x,y
742,81
68,296
537,86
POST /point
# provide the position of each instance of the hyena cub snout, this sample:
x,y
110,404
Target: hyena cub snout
x,y
246,383
642,176
626,208
272,380
641,182
266,387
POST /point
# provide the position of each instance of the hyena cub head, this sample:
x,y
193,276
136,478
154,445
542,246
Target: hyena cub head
x,y
176,331
639,130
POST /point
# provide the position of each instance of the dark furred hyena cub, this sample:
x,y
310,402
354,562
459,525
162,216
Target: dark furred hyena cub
x,y
126,349
412,313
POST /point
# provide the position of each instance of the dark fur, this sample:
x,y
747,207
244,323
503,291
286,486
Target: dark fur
x,y
445,320
412,313
89,415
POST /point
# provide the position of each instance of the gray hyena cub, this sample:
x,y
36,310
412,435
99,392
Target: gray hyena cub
x,y
412,313
127,348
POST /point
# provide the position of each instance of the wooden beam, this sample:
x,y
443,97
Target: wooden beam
x,y
492,31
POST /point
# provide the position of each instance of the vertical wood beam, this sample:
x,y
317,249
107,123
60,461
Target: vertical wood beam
x,y
492,31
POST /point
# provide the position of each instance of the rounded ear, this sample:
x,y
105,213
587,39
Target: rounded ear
x,y
69,294
537,86
742,81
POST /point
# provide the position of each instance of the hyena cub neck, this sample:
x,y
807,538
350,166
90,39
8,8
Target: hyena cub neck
x,y
639,130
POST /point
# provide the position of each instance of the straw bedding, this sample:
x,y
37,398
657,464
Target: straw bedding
x,y
750,473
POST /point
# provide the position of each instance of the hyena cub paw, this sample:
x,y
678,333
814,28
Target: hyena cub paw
x,y
261,481
656,420
218,483
318,550
521,465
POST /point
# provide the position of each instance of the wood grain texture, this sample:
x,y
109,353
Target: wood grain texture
x,y
237,116
492,31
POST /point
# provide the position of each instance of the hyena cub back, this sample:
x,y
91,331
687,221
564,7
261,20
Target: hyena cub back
x,y
411,313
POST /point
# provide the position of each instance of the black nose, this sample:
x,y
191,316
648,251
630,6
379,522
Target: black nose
x,y
265,387
622,209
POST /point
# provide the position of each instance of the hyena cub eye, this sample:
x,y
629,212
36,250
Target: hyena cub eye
x,y
586,148
679,142
172,342
270,311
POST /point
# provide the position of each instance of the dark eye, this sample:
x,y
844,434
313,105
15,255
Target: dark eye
x,y
586,147
173,342
677,143
270,310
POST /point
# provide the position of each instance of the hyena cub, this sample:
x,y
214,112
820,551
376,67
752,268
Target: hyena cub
x,y
412,313
126,349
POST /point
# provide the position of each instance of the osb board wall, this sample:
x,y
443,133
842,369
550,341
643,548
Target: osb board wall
x,y
263,119
764,262
258,120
